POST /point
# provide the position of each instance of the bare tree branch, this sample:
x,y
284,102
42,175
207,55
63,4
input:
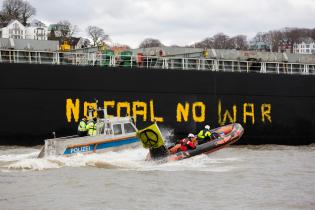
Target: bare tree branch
x,y
27,11
67,29
149,42
17,10
97,34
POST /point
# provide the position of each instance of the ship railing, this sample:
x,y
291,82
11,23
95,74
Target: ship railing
x,y
153,62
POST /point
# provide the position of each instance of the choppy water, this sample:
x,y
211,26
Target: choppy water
x,y
238,177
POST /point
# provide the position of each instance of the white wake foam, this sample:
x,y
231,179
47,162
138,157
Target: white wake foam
x,y
132,159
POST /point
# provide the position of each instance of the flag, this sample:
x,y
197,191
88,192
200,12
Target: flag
x,y
151,137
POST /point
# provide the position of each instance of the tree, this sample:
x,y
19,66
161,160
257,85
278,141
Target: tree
x,y
206,43
238,42
274,39
313,33
97,34
11,9
149,42
2,17
67,29
86,43
16,9
220,41
27,11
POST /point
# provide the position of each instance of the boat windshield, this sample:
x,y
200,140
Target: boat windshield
x,y
117,129
129,128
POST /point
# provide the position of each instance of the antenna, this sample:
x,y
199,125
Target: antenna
x,y
90,112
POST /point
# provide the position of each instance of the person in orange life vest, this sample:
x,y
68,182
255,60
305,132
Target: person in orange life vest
x,y
188,143
184,144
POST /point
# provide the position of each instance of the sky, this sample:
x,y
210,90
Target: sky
x,y
177,22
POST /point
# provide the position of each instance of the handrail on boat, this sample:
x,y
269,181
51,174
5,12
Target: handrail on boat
x,y
154,62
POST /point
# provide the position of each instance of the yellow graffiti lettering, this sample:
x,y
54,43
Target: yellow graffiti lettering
x,y
109,104
219,113
202,107
139,112
125,105
182,112
86,106
250,113
226,115
153,117
72,109
266,112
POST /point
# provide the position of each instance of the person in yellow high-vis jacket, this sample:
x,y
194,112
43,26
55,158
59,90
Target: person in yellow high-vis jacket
x,y
90,128
82,131
204,135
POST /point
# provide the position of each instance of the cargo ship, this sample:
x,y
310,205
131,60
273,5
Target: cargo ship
x,y
46,92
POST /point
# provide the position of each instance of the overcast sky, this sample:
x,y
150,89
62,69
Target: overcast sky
x,y
177,22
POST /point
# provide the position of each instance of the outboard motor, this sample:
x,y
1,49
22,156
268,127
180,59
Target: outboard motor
x,y
159,153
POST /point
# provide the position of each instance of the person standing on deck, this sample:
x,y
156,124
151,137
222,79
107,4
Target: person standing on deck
x,y
90,128
82,130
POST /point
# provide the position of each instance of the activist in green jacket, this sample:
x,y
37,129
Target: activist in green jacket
x,y
204,135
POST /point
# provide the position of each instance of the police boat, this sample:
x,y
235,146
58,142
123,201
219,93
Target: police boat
x,y
112,133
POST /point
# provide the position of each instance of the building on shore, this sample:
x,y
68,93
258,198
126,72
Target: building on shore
x,y
16,30
285,45
259,46
305,46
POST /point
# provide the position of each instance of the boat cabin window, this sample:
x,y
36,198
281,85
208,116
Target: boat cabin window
x,y
129,128
117,129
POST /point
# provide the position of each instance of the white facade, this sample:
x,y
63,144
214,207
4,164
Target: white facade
x,y
304,47
38,33
16,30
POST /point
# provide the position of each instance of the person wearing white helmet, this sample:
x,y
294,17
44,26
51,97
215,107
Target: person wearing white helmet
x,y
192,138
204,135
188,143
184,144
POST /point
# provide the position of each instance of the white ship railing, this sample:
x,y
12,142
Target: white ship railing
x,y
155,62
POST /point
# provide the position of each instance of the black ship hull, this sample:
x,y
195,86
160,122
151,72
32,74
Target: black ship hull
x,y
37,100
